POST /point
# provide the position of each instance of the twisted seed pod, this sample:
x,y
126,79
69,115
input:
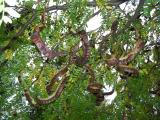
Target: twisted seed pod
x,y
62,72
29,98
55,95
85,44
42,47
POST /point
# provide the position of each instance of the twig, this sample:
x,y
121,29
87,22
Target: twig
x,y
19,33
104,38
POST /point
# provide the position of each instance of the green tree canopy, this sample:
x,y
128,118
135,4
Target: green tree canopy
x,y
54,67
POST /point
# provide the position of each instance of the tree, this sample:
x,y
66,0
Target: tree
x,y
51,67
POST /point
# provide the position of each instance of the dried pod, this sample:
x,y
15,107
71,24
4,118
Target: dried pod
x,y
127,70
62,72
94,87
114,26
29,98
113,61
99,98
54,95
131,55
85,46
42,47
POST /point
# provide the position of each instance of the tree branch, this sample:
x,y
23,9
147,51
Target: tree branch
x,y
20,32
89,4
136,14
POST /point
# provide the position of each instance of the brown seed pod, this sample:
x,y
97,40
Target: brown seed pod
x,y
127,70
42,47
94,88
62,72
114,26
113,61
54,95
85,47
29,98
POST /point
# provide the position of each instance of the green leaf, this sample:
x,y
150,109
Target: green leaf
x,y
8,54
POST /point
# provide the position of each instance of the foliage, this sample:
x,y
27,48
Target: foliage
x,y
123,52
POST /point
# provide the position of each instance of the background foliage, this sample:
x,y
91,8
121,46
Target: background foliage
x,y
137,97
